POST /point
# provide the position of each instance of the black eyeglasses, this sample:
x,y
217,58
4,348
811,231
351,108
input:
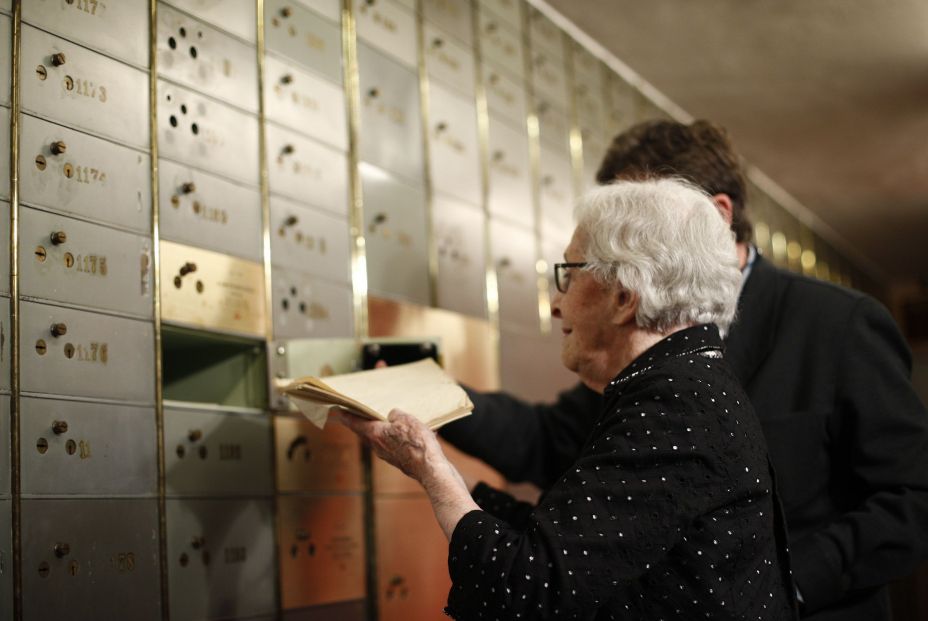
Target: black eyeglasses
x,y
562,277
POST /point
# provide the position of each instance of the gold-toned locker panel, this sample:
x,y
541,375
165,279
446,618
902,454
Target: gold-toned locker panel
x,y
308,306
5,460
76,448
212,452
510,180
501,45
505,97
6,554
304,37
80,174
389,27
90,559
395,237
460,241
391,131
513,249
555,192
316,460
204,133
310,240
322,550
4,150
77,353
449,62
307,171
305,102
83,89
200,57
233,16
510,11
346,611
206,289
220,558
119,29
208,211
453,145
412,560
66,260
524,357
453,16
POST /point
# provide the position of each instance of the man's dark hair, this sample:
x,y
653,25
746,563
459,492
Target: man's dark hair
x,y
700,152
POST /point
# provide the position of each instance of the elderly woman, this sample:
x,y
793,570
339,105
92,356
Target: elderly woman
x,y
669,511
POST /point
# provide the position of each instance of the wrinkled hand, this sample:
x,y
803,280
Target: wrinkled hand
x,y
403,441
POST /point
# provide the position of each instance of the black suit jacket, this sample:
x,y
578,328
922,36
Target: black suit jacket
x,y
828,374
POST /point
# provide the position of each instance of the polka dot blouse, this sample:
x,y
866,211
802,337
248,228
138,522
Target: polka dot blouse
x,y
667,514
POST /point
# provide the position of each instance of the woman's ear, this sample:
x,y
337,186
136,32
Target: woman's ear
x,y
626,307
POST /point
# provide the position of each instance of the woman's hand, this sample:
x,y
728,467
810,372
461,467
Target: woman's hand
x,y
403,441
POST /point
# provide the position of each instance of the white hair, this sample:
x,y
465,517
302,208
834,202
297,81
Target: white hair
x,y
665,240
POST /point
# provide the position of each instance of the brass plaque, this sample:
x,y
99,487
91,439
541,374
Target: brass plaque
x,y
322,555
211,290
412,560
310,459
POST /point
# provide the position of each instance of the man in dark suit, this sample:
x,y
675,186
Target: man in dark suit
x,y
828,374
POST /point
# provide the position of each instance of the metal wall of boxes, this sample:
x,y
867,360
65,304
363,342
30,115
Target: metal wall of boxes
x,y
206,195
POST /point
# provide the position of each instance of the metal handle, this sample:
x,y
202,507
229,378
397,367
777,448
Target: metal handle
x,y
188,187
188,268
195,435
59,427
59,237
58,147
59,329
58,59
62,549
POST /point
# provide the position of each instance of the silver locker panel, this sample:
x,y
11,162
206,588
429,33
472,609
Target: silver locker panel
x,y
83,175
220,558
459,236
4,252
552,251
100,356
449,62
234,16
306,170
391,131
451,16
513,251
85,90
510,11
591,111
309,240
6,6
555,191
5,457
6,559
453,145
588,68
305,305
204,210
74,448
501,45
389,27
6,43
545,35
505,97
68,260
304,37
90,559
208,452
330,9
322,558
510,181
5,152
594,150
201,132
316,460
553,127
305,102
119,29
549,78
5,338
207,60
395,237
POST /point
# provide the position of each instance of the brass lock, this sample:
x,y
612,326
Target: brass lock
x,y
59,329
58,238
62,549
60,427
58,147
58,59
188,187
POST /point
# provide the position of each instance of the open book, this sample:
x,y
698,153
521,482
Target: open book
x,y
420,389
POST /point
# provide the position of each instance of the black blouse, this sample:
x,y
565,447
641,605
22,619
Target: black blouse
x,y
668,512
